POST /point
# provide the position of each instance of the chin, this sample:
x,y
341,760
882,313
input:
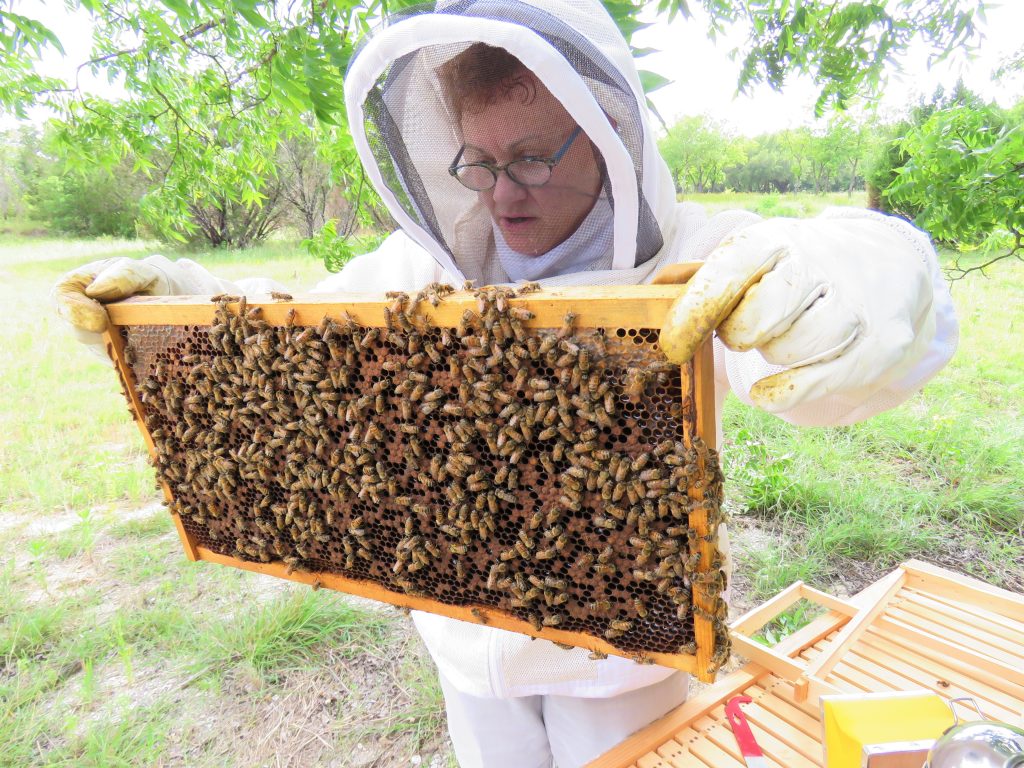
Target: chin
x,y
528,246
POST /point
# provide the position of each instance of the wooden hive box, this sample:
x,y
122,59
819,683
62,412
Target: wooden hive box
x,y
530,462
920,627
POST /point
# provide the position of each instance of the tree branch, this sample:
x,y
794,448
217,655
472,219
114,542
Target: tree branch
x,y
956,272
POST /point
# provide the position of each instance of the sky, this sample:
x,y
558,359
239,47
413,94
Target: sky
x,y
704,77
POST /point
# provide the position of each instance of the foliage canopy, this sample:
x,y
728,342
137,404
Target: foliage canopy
x,y
214,87
965,176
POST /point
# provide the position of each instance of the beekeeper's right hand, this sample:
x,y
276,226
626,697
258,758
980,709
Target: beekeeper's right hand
x,y
81,293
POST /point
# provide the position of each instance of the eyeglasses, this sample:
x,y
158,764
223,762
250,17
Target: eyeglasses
x,y
527,171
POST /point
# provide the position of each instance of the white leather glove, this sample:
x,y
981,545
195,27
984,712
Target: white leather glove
x,y
80,294
844,304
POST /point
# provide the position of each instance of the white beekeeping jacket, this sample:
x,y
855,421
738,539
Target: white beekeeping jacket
x,y
407,137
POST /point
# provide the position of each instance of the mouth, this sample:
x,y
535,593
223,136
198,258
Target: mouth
x,y
515,222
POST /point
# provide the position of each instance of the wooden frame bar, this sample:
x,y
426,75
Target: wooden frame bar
x,y
114,345
964,588
595,307
820,667
756,618
637,306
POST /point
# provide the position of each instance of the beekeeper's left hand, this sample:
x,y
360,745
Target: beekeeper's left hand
x,y
844,304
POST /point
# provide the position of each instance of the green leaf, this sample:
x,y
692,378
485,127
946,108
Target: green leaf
x,y
652,81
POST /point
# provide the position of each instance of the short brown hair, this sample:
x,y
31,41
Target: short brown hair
x,y
482,75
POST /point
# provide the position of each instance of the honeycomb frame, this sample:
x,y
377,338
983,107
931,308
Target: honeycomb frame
x,y
625,318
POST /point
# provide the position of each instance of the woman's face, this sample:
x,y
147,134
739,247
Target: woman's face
x,y
533,220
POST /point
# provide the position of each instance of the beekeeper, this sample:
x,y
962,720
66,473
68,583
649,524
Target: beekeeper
x,y
511,142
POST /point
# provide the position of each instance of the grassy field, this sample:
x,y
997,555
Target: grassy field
x,y
115,651
795,204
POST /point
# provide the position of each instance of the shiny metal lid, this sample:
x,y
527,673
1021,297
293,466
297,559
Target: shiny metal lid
x,y
978,744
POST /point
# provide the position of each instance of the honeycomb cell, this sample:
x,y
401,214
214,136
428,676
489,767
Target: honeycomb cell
x,y
533,471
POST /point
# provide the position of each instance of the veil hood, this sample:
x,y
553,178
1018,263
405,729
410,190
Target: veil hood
x,y
406,136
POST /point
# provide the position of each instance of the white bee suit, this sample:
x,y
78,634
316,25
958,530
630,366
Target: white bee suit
x,y
406,138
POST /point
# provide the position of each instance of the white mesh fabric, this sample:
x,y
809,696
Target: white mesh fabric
x,y
407,137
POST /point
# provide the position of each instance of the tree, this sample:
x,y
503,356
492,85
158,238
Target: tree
x,y
12,193
213,85
698,150
212,88
965,175
767,167
305,180
90,202
886,155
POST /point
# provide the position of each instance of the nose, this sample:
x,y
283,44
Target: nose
x,y
507,191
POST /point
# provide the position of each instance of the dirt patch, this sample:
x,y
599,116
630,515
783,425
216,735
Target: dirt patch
x,y
32,526
345,712
960,551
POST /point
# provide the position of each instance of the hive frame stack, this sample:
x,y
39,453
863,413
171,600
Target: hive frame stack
x,y
920,627
625,316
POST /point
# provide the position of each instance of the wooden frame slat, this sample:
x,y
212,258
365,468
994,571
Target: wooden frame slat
x,y
932,642
848,635
947,683
677,755
1008,629
1001,643
595,307
788,745
950,668
715,730
714,756
796,718
964,588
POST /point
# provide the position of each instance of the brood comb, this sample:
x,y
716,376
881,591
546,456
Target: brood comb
x,y
529,461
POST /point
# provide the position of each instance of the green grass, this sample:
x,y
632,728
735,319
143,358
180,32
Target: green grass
x,y
68,441
151,614
105,596
156,524
795,204
285,633
944,469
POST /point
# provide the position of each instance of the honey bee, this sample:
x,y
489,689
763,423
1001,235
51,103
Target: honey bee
x,y
567,325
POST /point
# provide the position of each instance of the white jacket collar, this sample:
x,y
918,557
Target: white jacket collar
x,y
588,248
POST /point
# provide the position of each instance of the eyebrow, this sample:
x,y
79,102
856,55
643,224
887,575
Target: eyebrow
x,y
512,147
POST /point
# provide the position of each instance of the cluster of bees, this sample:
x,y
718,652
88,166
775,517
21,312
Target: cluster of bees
x,y
536,471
